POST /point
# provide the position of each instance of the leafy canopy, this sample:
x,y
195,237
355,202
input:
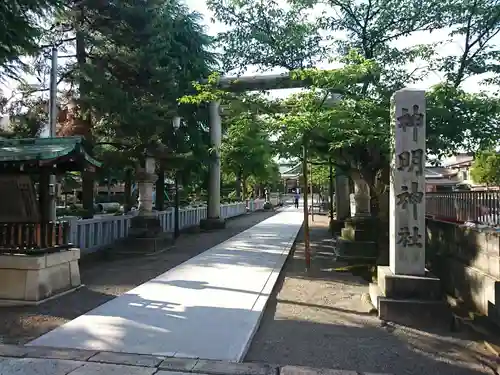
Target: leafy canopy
x,y
486,168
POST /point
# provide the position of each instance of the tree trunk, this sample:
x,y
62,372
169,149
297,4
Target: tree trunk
x,y
128,190
84,118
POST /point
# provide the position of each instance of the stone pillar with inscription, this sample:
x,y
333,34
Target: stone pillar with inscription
x,y
407,189
405,292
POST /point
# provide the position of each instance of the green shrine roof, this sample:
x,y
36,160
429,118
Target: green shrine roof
x,y
295,170
29,149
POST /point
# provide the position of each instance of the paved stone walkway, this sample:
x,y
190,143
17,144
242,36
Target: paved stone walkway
x,y
323,319
208,307
18,360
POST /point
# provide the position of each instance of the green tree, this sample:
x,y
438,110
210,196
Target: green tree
x,y
20,30
474,25
267,34
486,168
133,60
461,120
245,150
27,117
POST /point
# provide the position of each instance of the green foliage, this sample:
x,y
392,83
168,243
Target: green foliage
x,y
486,168
142,61
245,147
246,150
371,27
134,59
266,33
460,120
321,175
475,24
348,128
20,29
27,117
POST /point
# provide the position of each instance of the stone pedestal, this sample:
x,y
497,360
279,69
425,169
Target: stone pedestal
x,y
30,280
336,227
405,292
146,223
409,300
357,240
146,233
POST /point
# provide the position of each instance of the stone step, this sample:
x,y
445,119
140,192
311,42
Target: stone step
x,y
56,361
409,312
355,249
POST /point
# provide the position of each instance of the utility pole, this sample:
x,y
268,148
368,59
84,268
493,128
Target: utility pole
x,y
312,193
330,188
52,129
307,247
176,209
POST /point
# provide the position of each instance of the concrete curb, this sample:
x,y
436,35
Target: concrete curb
x,y
163,365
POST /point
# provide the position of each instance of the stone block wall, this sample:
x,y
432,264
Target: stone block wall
x,y
468,262
26,279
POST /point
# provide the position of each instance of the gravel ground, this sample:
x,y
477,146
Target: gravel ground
x,y
323,319
106,279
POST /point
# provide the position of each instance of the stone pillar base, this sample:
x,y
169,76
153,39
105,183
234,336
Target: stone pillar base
x,y
336,226
30,280
409,300
357,241
212,224
145,226
145,237
355,251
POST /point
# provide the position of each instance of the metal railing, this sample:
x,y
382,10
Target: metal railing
x,y
34,238
476,206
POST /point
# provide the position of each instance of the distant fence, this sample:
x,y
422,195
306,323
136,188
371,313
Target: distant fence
x,y
99,232
477,206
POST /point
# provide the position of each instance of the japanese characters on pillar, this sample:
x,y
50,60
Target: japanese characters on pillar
x,y
407,203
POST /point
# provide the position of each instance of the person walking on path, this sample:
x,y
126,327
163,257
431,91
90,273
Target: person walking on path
x,y
296,200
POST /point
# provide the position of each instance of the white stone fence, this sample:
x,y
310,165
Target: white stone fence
x,y
99,232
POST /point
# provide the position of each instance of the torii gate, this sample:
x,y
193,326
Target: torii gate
x,y
242,84
234,84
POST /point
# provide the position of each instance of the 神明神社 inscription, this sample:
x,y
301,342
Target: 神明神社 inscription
x,y
407,225
412,161
415,121
413,197
410,238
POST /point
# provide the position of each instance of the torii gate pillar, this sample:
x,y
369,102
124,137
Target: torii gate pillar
x,y
214,220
